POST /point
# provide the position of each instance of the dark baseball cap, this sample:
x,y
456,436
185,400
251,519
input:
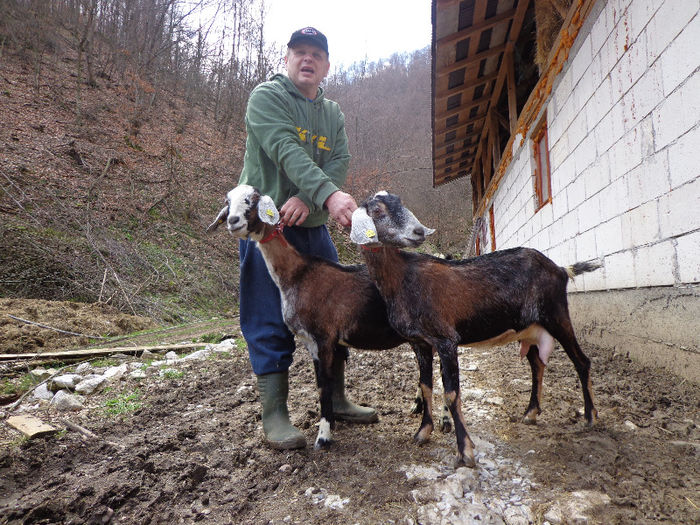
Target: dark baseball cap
x,y
309,35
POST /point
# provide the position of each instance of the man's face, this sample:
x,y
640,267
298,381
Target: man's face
x,y
307,66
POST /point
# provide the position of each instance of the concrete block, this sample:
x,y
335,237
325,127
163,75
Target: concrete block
x,y
649,181
585,153
625,154
613,200
639,14
678,113
599,32
644,223
645,95
597,177
678,210
581,63
680,59
608,237
584,88
603,133
589,213
619,270
577,130
654,264
586,246
600,103
575,193
666,24
684,165
688,257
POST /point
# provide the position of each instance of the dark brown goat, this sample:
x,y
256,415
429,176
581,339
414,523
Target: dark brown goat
x,y
511,295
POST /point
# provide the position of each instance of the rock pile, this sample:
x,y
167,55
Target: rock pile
x,y
65,392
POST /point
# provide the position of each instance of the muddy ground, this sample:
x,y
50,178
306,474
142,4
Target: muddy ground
x,y
190,448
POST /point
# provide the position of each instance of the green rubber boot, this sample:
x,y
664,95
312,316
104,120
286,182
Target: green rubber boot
x,y
279,431
343,409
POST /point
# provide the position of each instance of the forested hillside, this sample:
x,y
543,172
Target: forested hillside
x,y
123,129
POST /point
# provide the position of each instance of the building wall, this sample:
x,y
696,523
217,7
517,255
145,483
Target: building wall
x,y
624,134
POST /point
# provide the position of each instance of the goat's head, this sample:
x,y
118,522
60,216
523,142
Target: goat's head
x,y
382,219
246,211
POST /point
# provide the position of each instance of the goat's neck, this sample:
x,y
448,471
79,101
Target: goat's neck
x,y
281,258
386,268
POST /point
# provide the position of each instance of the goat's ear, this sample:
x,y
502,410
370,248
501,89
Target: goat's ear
x,y
267,211
220,219
363,230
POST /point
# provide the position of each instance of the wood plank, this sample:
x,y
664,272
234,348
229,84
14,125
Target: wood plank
x,y
30,426
99,351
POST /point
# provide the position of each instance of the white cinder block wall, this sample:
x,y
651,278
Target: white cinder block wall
x,y
624,135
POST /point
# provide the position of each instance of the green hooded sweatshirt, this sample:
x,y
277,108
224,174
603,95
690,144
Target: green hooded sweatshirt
x,y
295,147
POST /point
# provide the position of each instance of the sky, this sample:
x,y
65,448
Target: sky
x,y
355,28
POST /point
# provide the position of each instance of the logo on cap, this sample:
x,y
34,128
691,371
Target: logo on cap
x,y
309,31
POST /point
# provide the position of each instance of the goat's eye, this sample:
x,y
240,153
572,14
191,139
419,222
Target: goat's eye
x,y
247,200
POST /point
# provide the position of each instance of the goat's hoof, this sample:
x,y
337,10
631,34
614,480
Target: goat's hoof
x,y
422,436
465,461
446,426
592,418
417,408
530,417
322,443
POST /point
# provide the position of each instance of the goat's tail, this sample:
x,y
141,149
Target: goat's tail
x,y
583,267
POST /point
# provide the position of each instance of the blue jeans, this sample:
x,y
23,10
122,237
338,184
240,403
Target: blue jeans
x,y
270,343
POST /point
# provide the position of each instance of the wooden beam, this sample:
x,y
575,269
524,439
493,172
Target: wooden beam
x,y
443,72
98,351
464,87
462,109
512,101
518,20
473,30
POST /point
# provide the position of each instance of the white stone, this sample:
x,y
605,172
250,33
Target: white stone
x,y
65,381
90,384
114,373
138,374
171,356
41,373
335,502
83,368
199,354
65,401
42,392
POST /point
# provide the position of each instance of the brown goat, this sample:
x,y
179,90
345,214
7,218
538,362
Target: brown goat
x,y
494,299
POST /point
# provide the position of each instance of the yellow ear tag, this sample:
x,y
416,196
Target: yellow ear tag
x,y
370,233
269,212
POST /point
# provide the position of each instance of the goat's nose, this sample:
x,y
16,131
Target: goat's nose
x,y
233,219
419,231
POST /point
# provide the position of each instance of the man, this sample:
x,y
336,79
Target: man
x,y
297,153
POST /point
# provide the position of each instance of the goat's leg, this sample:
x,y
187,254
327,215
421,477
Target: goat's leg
x,y
324,379
424,356
450,380
445,423
418,401
564,333
537,367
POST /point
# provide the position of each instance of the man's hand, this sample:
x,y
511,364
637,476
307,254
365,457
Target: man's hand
x,y
294,212
340,206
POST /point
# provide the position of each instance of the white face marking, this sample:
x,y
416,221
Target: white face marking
x,y
239,202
